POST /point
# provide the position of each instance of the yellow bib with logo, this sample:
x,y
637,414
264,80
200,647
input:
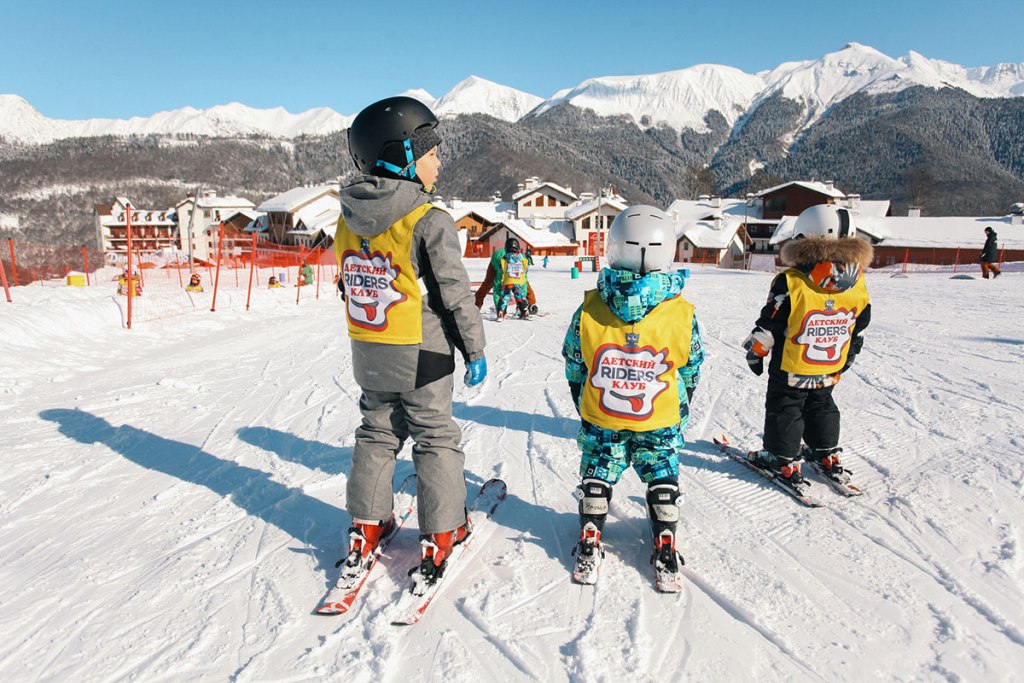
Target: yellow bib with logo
x,y
632,381
382,295
513,273
820,325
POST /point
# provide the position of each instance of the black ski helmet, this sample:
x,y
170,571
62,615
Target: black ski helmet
x,y
512,245
384,136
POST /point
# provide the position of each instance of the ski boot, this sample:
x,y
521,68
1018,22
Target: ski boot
x,y
663,508
363,538
785,469
595,496
434,552
828,463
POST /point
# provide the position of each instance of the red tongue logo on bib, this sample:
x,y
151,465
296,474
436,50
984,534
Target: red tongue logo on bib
x,y
635,402
371,308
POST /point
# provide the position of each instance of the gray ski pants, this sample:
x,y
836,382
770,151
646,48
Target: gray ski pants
x,y
425,414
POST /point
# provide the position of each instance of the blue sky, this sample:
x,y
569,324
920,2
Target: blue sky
x,y
112,58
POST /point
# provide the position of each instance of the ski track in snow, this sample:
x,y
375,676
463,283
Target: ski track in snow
x,y
173,502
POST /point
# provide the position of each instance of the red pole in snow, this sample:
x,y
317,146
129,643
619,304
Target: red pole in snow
x,y
957,261
131,282
1001,252
85,261
252,270
14,263
906,257
319,257
3,276
216,281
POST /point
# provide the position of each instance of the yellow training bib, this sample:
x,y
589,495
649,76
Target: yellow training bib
x,y
820,325
513,273
382,294
632,380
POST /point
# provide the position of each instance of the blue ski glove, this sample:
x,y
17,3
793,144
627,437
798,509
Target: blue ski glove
x,y
476,371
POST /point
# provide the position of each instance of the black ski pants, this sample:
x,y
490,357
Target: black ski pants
x,y
792,414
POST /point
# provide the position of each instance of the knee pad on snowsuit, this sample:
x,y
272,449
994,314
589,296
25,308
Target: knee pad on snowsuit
x,y
663,505
594,503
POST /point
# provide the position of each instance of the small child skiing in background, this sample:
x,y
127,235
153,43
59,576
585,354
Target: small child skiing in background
x,y
813,326
632,357
492,280
194,283
514,282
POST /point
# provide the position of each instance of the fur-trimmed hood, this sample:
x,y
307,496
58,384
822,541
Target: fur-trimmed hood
x,y
832,265
811,250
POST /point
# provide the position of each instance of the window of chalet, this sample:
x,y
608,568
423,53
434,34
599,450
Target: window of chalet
x,y
776,204
552,201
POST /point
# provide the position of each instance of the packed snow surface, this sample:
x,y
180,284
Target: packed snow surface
x,y
174,501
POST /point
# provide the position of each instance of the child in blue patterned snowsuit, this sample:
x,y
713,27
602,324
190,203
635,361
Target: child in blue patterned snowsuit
x,y
633,344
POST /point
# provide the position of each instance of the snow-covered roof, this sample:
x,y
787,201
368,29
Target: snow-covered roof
x,y
585,207
942,232
531,235
295,198
874,208
490,211
713,234
701,209
540,186
828,190
251,214
310,222
223,202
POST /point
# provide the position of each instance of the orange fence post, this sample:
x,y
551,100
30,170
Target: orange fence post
x,y
131,283
3,276
85,262
906,257
1001,252
252,271
216,281
318,257
957,261
14,263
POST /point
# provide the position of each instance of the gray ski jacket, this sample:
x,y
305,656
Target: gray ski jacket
x,y
370,205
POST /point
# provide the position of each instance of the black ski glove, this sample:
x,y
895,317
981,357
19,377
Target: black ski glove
x,y
576,389
756,363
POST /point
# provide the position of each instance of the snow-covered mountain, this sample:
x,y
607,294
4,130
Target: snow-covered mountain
x,y
20,121
477,95
680,99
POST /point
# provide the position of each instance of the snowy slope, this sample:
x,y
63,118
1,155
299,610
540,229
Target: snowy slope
x,y
173,502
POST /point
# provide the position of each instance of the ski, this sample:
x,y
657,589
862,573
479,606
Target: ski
x,y
414,602
742,457
839,483
354,575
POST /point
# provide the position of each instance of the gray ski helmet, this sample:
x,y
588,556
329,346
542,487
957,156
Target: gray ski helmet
x,y
825,220
381,136
642,239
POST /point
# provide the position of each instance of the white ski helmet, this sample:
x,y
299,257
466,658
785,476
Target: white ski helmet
x,y
825,220
642,239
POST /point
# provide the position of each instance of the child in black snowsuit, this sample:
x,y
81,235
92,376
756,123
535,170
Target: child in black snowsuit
x,y
812,326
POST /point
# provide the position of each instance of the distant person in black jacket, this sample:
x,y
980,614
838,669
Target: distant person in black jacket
x,y
990,255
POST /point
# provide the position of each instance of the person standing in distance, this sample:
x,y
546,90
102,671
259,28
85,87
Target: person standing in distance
x,y
990,255
390,241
